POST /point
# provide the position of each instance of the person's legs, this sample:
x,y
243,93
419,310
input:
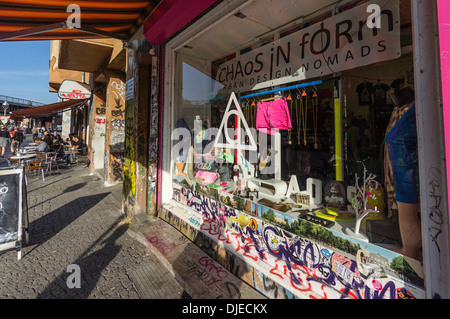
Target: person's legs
x,y
66,157
410,230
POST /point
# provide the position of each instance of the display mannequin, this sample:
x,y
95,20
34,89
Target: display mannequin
x,y
402,171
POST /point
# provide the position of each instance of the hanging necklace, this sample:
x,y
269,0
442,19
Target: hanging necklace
x,y
298,116
315,117
304,114
252,114
247,117
289,99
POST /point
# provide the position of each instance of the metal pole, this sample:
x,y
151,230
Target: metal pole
x,y
432,164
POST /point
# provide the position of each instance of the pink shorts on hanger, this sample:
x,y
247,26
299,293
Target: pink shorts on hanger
x,y
262,119
279,116
273,115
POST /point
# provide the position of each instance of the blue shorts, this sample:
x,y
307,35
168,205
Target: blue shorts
x,y
401,141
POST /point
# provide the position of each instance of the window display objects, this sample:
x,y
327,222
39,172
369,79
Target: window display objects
x,y
335,200
314,190
271,189
401,143
180,169
302,199
302,119
241,127
365,93
289,100
224,160
181,160
293,187
224,173
208,177
273,115
335,194
364,193
379,91
311,199
315,105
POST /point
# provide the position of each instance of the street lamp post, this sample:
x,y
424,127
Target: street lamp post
x,y
5,106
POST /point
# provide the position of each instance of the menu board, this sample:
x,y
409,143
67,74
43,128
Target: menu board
x,y
12,206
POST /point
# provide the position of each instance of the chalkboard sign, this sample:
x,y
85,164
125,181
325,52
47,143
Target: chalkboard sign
x,y
13,209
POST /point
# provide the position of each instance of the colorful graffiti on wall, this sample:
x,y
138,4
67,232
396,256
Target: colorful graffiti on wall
x,y
298,266
129,164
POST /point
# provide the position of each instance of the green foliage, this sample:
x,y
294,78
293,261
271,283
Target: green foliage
x,y
400,265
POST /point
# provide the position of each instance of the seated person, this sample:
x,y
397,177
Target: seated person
x,y
58,144
41,145
76,144
47,138
58,140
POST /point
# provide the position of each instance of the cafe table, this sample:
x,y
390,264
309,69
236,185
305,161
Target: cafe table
x,y
23,157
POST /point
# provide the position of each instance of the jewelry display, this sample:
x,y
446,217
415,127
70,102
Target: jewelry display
x,y
289,99
315,102
297,117
304,115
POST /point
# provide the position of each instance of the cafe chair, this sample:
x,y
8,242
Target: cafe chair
x,y
34,166
41,157
51,158
14,162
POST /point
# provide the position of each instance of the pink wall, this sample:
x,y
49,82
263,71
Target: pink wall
x,y
171,16
444,39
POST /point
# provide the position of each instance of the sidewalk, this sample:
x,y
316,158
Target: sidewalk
x,y
76,220
199,274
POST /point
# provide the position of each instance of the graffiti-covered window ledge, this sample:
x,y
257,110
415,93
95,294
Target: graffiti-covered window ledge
x,y
263,233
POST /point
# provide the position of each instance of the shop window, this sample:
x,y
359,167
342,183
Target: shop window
x,y
323,136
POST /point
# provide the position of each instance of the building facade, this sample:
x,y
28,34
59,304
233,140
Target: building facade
x,y
100,123
330,102
301,145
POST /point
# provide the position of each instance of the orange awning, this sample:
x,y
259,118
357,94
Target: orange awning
x,y
45,19
45,110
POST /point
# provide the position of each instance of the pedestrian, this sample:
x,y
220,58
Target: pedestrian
x,y
16,136
35,133
41,131
4,138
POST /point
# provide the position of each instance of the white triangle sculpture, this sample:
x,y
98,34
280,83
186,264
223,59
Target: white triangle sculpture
x,y
235,143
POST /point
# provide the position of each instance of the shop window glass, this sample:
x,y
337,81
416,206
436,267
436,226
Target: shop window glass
x,y
327,135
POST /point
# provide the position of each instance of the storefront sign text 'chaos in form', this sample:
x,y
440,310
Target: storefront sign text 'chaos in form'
x,y
339,43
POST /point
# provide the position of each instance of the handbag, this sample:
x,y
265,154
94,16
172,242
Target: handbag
x,y
376,202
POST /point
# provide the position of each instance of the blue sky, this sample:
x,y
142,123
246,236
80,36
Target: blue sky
x,y
24,67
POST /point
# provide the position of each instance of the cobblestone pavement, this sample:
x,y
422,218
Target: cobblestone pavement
x,y
76,220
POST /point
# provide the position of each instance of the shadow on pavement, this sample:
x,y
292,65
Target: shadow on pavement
x,y
91,263
47,226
